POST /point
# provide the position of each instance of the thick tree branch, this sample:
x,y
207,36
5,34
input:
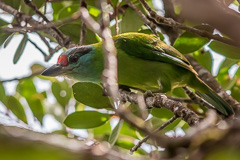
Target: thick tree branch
x,y
160,100
52,146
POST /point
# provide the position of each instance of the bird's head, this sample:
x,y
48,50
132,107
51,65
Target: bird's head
x,y
69,62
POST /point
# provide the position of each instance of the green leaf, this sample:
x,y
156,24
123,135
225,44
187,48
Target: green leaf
x,y
179,92
62,92
26,88
16,107
86,119
38,3
228,62
67,12
3,96
93,11
131,22
225,49
73,31
224,79
90,94
189,42
162,113
3,36
20,49
35,103
8,40
13,3
115,133
204,59
37,68
102,130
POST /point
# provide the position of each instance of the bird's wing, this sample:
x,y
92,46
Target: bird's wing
x,y
151,48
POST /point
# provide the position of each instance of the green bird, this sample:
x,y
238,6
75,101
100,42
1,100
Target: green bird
x,y
144,62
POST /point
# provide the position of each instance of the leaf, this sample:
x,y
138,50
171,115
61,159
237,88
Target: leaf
x,y
3,36
189,42
62,92
35,103
162,113
13,3
179,92
115,133
90,94
20,49
225,49
73,31
224,79
37,68
228,62
3,96
26,88
38,3
204,59
86,119
16,107
93,11
131,22
8,40
67,12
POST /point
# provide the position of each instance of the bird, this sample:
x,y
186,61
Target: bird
x,y
144,62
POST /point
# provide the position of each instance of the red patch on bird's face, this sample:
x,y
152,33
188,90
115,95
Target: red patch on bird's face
x,y
62,60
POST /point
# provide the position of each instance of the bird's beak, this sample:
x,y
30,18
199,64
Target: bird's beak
x,y
55,70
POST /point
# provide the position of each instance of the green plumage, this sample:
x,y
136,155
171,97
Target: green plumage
x,y
144,62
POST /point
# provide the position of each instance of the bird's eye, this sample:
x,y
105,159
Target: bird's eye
x,y
73,59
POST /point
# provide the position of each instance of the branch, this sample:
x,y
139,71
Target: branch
x,y
159,101
207,77
20,16
35,45
164,125
215,14
35,9
83,31
53,146
18,79
171,23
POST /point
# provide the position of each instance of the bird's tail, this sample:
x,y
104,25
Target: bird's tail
x,y
215,100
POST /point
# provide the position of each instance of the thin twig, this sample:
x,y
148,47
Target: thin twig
x,y
138,145
35,45
47,58
35,9
83,31
18,79
44,27
20,16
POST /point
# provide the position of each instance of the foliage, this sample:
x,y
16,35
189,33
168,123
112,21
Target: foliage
x,y
94,112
